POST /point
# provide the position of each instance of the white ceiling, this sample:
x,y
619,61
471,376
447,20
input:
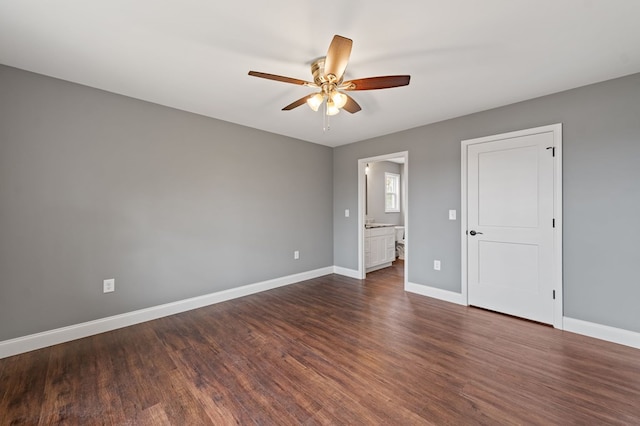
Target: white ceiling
x,y
463,56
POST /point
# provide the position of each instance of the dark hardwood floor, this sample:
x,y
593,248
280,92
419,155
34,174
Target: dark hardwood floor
x,y
332,350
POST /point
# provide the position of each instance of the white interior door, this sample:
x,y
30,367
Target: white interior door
x,y
510,225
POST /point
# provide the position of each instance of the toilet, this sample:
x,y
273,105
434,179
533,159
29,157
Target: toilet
x,y
400,242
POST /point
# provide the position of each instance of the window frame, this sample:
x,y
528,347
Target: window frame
x,y
395,206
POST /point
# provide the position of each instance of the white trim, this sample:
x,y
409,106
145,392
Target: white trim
x,y
65,334
351,273
556,130
463,223
585,328
436,293
558,314
362,163
602,332
396,177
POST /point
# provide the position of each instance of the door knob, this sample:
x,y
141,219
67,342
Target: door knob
x,y
472,232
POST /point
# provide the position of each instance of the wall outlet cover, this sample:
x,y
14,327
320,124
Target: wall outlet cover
x,y
109,285
436,265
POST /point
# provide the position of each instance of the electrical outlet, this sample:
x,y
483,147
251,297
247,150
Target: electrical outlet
x,y
452,215
296,255
436,265
346,212
109,285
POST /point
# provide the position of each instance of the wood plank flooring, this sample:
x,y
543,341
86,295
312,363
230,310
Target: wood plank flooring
x,y
332,350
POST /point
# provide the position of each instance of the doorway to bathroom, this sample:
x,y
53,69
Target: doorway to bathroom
x,y
383,226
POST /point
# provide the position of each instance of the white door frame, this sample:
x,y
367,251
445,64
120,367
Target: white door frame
x,y
362,164
556,129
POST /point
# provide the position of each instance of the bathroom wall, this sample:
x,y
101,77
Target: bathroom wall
x,y
376,193
173,205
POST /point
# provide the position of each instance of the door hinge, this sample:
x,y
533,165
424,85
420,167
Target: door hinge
x,y
553,222
554,295
553,150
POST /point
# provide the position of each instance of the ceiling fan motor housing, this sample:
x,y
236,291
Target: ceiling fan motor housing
x,y
317,70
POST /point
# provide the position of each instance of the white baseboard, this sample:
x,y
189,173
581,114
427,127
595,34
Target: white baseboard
x,y
598,331
65,334
351,273
436,293
602,332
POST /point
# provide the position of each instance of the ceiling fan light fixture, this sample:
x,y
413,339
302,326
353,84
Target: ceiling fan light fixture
x,y
315,101
332,109
339,99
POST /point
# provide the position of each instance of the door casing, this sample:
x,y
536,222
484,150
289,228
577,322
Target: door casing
x,y
362,163
556,130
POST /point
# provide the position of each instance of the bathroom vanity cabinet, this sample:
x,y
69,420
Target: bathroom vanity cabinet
x,y
379,247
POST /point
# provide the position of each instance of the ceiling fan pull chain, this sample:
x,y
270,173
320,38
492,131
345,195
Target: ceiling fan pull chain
x,y
326,125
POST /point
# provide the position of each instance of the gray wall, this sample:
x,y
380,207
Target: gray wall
x,y
376,192
601,173
172,205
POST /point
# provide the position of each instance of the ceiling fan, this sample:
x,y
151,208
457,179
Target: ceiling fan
x,y
328,73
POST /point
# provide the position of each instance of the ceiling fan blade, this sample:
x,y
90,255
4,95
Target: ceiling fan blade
x,y
373,83
337,56
297,103
280,78
351,105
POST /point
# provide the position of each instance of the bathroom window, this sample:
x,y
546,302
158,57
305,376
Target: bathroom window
x,y
391,193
